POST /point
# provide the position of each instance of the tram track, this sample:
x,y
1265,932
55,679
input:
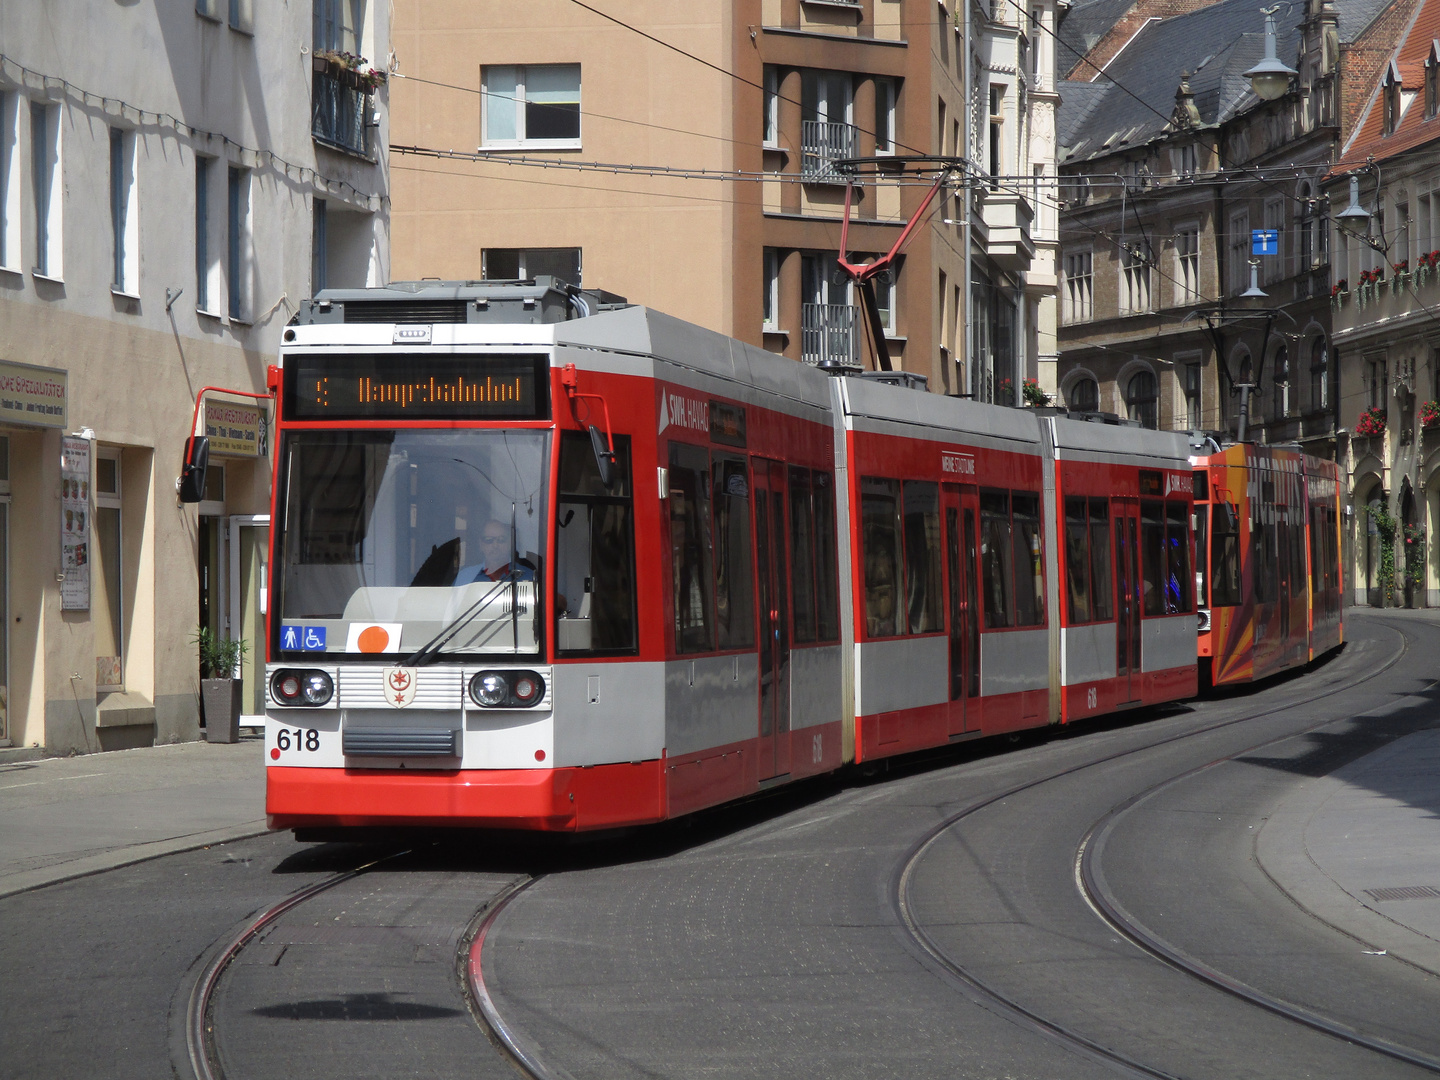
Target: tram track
x,y
1093,890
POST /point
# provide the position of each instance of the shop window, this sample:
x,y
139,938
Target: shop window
x,y
691,555
734,574
595,551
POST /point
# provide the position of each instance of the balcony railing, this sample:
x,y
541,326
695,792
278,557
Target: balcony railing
x,y
827,334
821,145
339,109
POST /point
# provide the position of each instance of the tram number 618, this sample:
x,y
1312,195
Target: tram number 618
x,y
304,739
1091,698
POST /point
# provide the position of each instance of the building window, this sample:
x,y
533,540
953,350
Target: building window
x,y
1376,376
202,233
770,122
884,284
49,192
1142,399
9,181
238,260
1085,396
828,330
1190,374
1390,96
1305,222
884,116
319,264
339,25
526,264
827,133
1319,380
537,106
1280,365
1432,84
124,220
242,16
1274,265
770,289
1187,264
1239,251
1079,286
1183,160
997,135
208,8
1134,278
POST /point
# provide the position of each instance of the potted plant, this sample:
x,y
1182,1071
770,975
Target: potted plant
x,y
1371,422
1402,274
220,686
1430,416
1032,393
1338,292
1414,564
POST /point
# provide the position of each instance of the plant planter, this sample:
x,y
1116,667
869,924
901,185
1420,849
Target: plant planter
x,y
220,709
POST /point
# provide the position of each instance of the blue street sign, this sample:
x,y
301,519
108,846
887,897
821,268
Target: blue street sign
x,y
1264,241
314,639
289,638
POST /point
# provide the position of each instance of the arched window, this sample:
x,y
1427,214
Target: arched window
x,y
1281,367
1085,396
1142,399
1319,383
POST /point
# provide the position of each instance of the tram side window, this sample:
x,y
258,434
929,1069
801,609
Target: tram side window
x,y
1262,561
595,550
1297,550
1202,577
1029,563
995,555
827,596
691,556
922,557
1077,561
1152,555
880,540
734,576
1177,560
1224,555
802,555
1102,591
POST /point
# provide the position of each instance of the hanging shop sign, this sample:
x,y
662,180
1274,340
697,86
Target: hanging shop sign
x,y
38,396
75,455
235,430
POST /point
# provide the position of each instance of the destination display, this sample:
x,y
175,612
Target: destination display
x,y
418,388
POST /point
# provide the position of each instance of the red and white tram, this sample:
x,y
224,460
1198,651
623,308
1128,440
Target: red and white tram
x,y
546,560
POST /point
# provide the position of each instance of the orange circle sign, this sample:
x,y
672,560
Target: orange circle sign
x,y
373,639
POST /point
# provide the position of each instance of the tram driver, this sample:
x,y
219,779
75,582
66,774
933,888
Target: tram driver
x,y
497,558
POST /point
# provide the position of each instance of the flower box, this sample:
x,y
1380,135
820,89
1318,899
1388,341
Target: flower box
x,y
1371,422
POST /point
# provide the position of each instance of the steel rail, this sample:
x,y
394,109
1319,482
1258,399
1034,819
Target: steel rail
x,y
991,998
1091,878
199,1030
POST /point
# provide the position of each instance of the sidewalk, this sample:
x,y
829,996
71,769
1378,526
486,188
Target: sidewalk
x,y
68,817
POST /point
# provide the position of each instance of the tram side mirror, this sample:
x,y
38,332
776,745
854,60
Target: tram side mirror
x,y
192,473
604,457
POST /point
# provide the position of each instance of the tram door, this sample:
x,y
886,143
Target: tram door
x,y
961,602
1125,514
774,616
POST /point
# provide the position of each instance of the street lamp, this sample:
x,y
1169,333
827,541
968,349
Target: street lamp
x,y
1254,292
1354,219
1270,78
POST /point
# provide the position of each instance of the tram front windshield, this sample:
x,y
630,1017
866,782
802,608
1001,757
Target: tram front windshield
x,y
392,541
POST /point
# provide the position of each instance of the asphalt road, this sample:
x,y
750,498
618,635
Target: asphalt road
x,y
765,940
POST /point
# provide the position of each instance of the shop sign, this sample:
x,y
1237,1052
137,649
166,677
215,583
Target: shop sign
x,y
75,523
38,396
235,430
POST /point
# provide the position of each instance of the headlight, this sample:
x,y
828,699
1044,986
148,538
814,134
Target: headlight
x,y
507,689
301,689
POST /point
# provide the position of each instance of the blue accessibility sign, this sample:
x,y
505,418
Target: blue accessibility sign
x,y
1264,241
302,638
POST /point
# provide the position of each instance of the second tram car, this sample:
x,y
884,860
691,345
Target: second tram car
x,y
543,559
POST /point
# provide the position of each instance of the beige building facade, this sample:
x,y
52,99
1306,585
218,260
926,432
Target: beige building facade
x,y
683,157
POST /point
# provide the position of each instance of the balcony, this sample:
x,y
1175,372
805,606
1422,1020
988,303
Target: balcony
x,y
1008,216
340,107
828,334
821,145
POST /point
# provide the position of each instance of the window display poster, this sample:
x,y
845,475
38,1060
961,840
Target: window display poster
x,y
75,523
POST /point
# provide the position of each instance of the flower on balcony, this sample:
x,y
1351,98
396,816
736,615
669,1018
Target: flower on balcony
x,y
366,76
1339,287
1430,415
1371,422
1032,393
1401,266
1371,277
1430,259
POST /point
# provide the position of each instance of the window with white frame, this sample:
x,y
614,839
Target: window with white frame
x,y
1376,375
827,129
1183,159
997,134
770,289
48,189
207,241
124,215
526,264
1187,264
339,25
1079,286
885,299
239,253
884,116
1134,277
1190,369
770,122
1238,249
534,105
9,181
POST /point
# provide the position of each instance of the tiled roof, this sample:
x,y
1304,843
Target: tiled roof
x,y
1369,139
1082,27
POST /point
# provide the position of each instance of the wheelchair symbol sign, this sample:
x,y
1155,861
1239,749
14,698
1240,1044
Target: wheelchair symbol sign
x,y
313,639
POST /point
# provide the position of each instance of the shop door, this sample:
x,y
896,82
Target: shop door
x,y
961,602
1126,516
774,617
249,551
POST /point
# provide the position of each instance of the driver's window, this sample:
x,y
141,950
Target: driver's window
x,y
594,551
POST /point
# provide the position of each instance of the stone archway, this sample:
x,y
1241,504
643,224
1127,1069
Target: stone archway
x,y
1368,550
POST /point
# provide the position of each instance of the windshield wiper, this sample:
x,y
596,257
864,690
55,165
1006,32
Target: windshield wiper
x,y
428,652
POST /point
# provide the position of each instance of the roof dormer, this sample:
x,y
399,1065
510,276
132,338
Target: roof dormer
x,y
1432,80
1391,86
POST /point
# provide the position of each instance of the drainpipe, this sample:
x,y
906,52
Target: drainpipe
x,y
969,207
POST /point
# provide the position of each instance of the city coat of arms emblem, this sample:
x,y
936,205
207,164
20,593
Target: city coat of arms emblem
x,y
399,686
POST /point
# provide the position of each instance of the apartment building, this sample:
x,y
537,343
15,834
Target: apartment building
x,y
174,178
1384,194
684,157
